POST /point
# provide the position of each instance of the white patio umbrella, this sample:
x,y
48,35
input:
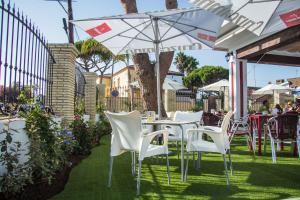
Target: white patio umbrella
x,y
258,16
217,86
179,29
271,89
168,85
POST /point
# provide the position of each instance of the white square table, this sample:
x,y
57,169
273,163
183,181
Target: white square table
x,y
180,125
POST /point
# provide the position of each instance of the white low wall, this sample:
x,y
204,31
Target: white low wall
x,y
17,128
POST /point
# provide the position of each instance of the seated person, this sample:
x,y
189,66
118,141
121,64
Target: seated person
x,y
277,110
297,107
289,107
265,107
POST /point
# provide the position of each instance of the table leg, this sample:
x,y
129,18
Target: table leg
x,y
182,153
259,121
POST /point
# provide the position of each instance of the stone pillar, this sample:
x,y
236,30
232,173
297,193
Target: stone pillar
x,y
238,86
63,78
90,93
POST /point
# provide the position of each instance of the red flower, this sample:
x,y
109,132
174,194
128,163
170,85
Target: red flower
x,y
77,117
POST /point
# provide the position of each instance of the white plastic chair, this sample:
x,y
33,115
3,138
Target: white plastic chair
x,y
127,135
220,143
175,131
240,127
275,135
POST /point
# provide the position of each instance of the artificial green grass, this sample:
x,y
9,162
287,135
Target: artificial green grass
x,y
252,179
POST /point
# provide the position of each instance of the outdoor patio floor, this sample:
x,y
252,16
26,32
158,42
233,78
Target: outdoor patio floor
x,y
252,179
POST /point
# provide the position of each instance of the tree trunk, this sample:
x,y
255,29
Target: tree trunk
x,y
145,69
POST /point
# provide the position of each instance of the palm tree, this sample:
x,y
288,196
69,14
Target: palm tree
x,y
185,64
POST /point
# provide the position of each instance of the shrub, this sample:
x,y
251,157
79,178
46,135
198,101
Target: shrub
x,y
17,175
82,136
46,153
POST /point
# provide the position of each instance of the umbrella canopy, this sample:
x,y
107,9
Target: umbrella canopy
x,y
178,29
258,16
296,91
271,88
217,86
168,85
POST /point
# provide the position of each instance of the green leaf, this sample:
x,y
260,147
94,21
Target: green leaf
x,y
9,139
3,148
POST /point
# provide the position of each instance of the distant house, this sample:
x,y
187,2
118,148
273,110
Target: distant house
x,y
294,82
175,76
124,77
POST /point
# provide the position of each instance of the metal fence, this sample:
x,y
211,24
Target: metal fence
x,y
25,59
79,83
126,99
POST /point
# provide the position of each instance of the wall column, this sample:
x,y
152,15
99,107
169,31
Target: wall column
x,y
238,90
63,77
90,94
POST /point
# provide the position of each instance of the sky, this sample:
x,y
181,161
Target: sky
x,y
47,15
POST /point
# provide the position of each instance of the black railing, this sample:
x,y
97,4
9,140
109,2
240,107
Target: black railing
x,y
25,59
79,83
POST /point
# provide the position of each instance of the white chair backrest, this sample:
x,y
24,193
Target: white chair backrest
x,y
126,129
226,122
188,116
171,115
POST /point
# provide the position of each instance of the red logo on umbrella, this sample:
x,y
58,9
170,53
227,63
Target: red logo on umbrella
x,y
207,37
291,18
99,30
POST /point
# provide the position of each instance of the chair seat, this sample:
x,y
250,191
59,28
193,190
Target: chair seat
x,y
154,150
176,138
240,132
204,146
212,128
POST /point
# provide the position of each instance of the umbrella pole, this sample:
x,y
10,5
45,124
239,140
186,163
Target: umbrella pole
x,y
156,43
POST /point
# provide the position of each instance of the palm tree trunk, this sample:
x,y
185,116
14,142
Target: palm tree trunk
x,y
145,69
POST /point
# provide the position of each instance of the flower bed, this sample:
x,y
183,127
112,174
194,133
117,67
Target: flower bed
x,y
36,161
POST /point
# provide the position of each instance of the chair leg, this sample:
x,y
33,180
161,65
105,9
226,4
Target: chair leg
x,y
298,145
253,141
133,163
230,161
139,178
110,170
187,166
194,161
226,170
199,160
265,143
177,149
273,150
168,169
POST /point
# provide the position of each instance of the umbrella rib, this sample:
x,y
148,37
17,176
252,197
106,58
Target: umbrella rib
x,y
183,32
183,11
133,38
123,32
175,36
271,17
137,30
172,26
168,20
239,8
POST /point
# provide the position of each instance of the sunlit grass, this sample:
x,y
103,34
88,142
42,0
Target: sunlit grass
x,y
252,179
